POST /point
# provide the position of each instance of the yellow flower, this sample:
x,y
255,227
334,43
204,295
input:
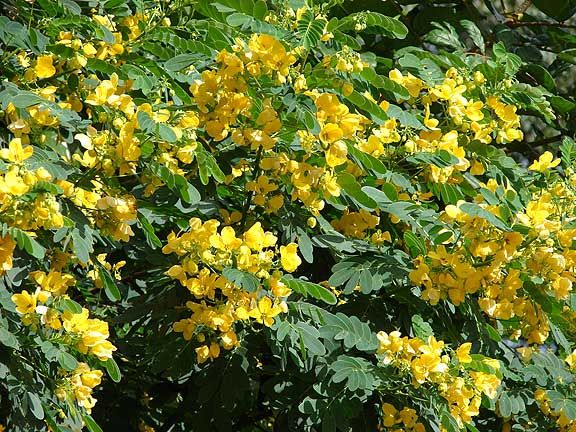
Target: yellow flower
x,y
331,133
486,383
463,353
226,241
278,288
571,359
229,340
92,378
25,302
256,239
289,257
55,282
44,67
372,146
544,163
389,411
474,111
7,246
477,168
15,152
265,312
336,154
300,83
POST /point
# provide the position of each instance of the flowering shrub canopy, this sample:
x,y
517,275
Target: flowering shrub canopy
x,y
285,215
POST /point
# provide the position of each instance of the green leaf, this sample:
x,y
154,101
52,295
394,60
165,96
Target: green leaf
x,y
421,328
35,405
449,422
415,245
309,336
260,10
27,243
568,151
52,423
180,62
82,243
91,424
404,117
366,161
188,192
305,245
208,166
350,330
241,278
167,133
376,112
110,287
492,333
145,122
357,372
376,194
440,158
177,183
306,288
26,99
385,83
352,188
391,27
562,105
475,210
310,29
445,35
248,23
70,305
8,339
505,404
67,361
113,370
474,33
539,74
71,6
151,237
511,62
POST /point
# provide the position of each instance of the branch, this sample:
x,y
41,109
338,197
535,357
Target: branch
x,y
545,141
528,148
251,194
523,7
513,24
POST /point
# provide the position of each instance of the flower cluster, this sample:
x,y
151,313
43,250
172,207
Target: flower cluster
x,y
219,302
395,420
504,268
44,306
26,202
453,375
77,386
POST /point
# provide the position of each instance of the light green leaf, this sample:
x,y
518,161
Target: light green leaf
x,y
35,405
241,278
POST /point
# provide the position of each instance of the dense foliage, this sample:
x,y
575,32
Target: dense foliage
x,y
240,215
